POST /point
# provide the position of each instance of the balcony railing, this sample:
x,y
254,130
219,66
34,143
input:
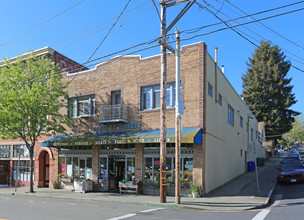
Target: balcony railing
x,y
113,113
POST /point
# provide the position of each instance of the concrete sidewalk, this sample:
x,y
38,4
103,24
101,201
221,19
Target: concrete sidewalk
x,y
239,194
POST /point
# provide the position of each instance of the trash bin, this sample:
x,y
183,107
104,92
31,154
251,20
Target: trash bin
x,y
251,165
260,161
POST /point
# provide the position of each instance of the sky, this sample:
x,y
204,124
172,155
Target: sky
x,y
98,30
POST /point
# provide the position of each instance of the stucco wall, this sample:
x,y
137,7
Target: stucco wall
x,y
226,145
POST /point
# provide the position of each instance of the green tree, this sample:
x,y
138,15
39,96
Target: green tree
x,y
297,132
267,90
31,95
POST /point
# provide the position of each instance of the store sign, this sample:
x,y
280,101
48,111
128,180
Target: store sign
x,y
116,127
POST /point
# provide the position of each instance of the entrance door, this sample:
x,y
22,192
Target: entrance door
x,y
116,171
4,172
47,170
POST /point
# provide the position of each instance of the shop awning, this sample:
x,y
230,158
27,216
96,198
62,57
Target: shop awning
x,y
189,135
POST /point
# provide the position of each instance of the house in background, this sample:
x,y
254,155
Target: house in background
x,y
116,128
11,149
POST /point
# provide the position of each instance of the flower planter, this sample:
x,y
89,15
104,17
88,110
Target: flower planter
x,y
195,195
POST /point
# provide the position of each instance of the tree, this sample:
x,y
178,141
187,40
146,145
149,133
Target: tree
x,y
267,90
297,132
31,95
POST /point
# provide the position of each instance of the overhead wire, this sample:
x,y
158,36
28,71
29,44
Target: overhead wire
x,y
259,35
99,29
232,28
40,24
97,60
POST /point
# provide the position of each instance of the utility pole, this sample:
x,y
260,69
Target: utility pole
x,y
177,119
163,84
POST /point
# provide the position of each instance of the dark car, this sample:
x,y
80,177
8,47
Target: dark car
x,y
291,176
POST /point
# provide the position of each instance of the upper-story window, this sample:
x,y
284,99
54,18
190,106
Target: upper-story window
x,y
20,150
251,134
230,115
220,99
209,89
150,96
82,106
241,121
5,151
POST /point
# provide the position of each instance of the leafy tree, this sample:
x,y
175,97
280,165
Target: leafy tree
x,y
267,90
297,132
31,94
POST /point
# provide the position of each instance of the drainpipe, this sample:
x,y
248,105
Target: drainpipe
x,y
215,75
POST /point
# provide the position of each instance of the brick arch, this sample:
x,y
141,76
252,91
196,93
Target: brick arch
x,y
44,166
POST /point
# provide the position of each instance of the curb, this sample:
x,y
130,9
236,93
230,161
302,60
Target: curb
x,y
168,205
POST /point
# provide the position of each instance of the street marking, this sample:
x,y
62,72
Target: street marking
x,y
261,215
122,217
131,215
152,210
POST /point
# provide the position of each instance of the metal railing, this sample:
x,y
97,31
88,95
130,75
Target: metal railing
x,y
113,113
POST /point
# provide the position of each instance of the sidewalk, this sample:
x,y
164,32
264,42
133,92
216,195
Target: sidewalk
x,y
239,194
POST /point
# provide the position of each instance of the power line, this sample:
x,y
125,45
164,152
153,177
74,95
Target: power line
x,y
100,24
38,25
109,30
154,40
260,35
277,33
99,29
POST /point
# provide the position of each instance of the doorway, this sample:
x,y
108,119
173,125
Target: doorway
x,y
44,169
116,172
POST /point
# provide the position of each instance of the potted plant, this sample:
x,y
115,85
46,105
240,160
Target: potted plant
x,y
55,184
195,189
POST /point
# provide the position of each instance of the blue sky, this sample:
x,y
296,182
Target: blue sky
x,y
77,32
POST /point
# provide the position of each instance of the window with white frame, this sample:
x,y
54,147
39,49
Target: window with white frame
x,y
21,150
81,106
5,151
150,96
230,115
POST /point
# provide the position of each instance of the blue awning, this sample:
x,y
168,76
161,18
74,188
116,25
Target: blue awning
x,y
189,135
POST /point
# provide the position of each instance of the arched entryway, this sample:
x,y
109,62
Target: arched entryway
x,y
44,169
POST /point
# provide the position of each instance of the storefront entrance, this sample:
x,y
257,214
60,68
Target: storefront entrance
x,y
4,172
116,171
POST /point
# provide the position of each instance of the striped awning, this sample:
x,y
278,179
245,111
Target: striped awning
x,y
189,135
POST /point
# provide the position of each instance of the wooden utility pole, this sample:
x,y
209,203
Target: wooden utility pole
x,y
163,86
177,119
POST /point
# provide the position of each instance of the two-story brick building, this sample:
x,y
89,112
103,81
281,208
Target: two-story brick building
x,y
115,132
11,149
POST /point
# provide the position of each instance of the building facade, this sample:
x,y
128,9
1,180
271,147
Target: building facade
x,y
115,129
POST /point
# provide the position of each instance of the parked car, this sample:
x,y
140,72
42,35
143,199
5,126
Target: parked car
x,y
291,176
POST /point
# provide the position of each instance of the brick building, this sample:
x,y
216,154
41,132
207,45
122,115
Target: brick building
x,y
115,132
10,149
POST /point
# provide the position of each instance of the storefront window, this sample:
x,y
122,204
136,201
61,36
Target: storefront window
x,y
5,151
75,166
156,170
130,168
20,150
69,166
148,177
169,174
188,169
103,168
89,168
62,165
24,170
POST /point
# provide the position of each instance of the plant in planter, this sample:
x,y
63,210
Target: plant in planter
x,y
195,189
55,184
